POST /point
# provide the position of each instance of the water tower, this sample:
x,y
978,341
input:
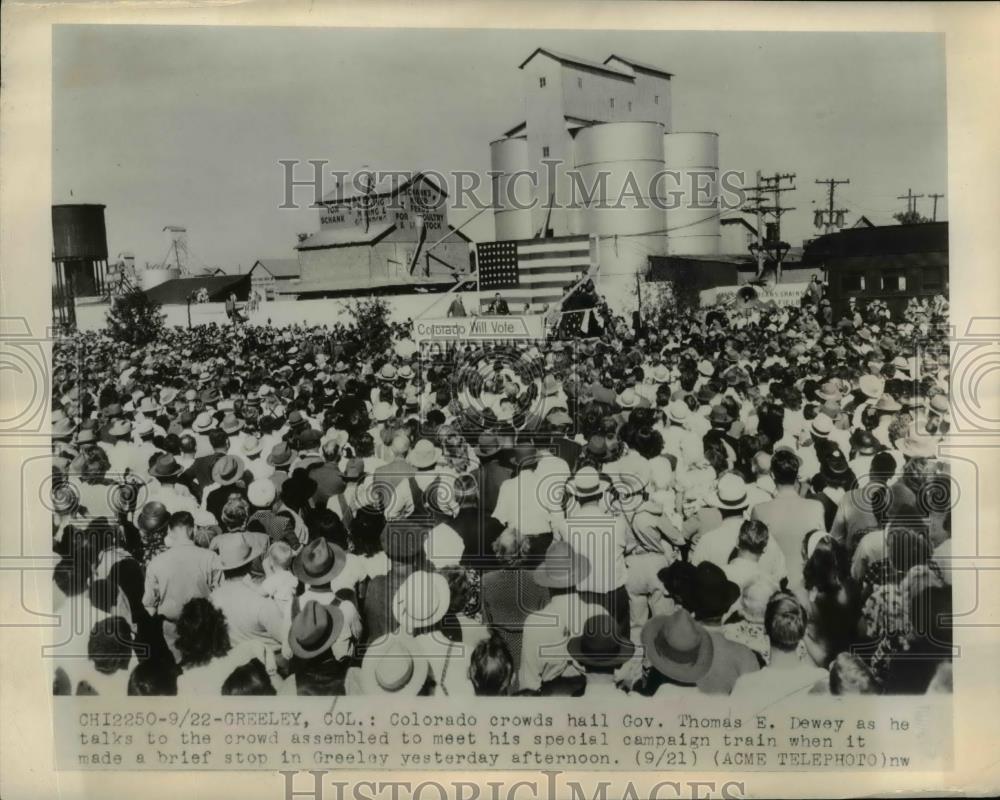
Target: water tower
x,y
80,256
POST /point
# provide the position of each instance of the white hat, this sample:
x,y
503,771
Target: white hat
x,y
421,601
444,547
393,664
261,493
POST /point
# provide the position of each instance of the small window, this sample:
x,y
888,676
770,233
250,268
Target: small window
x,y
541,83
893,281
931,279
545,151
612,102
656,99
579,83
852,282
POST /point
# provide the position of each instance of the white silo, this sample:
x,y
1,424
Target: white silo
x,y
692,159
620,167
512,220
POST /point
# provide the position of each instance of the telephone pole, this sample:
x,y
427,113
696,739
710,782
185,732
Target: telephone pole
x,y
935,198
911,200
834,217
769,244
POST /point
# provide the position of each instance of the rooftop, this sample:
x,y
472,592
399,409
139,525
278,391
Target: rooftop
x,y
564,58
638,65
279,267
178,290
882,240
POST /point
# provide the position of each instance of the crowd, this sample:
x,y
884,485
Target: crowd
x,y
744,501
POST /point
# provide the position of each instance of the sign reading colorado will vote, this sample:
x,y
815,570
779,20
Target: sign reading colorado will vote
x,y
471,328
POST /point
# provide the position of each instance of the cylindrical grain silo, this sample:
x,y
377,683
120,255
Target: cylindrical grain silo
x,y
692,162
619,167
512,195
154,276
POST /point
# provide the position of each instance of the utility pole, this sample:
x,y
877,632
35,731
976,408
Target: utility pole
x,y
777,248
834,216
935,198
755,206
911,200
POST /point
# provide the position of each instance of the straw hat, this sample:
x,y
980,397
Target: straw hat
x,y
421,601
393,664
731,493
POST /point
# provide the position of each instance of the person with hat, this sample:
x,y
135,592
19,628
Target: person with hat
x,y
251,617
678,440
717,545
229,479
407,498
684,657
863,447
177,574
834,480
165,485
601,649
786,674
592,530
546,666
314,667
393,664
199,475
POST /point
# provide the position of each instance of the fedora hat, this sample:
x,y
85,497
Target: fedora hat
x,y
383,411
148,406
706,368
250,446
563,567
421,600
120,427
871,386
888,404
424,454
401,540
597,448
227,470
167,395
86,436
231,423
64,428
939,404
281,455
834,467
354,469
678,411
829,391
310,439
587,482
210,396
315,629
731,493
601,644
203,422
864,442
661,374
261,493
628,399
238,549
297,420
719,415
393,664
822,426
319,562
918,447
165,466
678,647
340,366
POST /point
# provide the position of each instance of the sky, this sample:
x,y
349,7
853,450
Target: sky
x,y
173,125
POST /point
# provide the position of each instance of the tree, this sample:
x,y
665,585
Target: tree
x,y
371,328
909,217
135,319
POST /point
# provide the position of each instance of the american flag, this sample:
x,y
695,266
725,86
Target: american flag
x,y
533,271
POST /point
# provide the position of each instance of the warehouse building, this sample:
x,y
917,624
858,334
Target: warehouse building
x,y
391,237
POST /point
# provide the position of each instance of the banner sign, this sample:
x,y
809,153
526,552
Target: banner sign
x,y
785,294
452,329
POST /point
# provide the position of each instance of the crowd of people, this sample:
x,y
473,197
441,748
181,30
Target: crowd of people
x,y
746,501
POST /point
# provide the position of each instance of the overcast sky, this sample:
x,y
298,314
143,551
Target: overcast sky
x,y
186,125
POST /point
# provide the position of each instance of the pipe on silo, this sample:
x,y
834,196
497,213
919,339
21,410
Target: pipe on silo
x,y
693,216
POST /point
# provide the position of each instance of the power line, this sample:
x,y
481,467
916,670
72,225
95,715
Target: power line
x,y
769,245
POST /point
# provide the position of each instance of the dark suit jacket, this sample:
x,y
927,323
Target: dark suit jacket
x,y
329,483
199,474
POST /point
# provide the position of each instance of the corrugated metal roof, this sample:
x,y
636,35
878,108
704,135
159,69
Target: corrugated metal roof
x,y
882,240
639,65
344,237
279,267
565,58
217,286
